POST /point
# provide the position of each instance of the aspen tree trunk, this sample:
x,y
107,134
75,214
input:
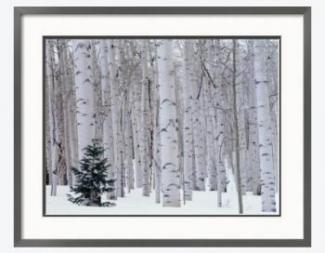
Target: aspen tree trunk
x,y
156,139
84,94
126,145
177,67
211,151
118,101
136,129
73,128
156,154
108,140
273,76
70,112
121,175
220,130
52,119
128,150
114,92
264,129
253,151
237,165
48,138
145,131
127,116
136,122
241,93
60,126
48,118
98,103
187,126
168,133
66,86
198,135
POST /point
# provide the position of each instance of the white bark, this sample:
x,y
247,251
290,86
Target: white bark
x,y
52,119
219,126
212,78
253,151
168,133
237,151
145,129
187,125
108,139
156,136
198,125
84,94
264,129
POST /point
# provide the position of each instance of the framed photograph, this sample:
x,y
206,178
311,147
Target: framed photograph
x,y
162,126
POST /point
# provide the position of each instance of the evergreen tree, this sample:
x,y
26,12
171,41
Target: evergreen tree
x,y
92,178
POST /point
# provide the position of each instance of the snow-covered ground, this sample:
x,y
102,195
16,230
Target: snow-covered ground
x,y
203,203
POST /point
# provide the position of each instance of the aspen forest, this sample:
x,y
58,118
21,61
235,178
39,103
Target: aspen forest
x,y
161,126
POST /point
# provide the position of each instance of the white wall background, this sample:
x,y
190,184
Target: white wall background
x,y
6,123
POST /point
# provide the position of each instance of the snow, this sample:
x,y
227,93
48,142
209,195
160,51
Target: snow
x,y
203,203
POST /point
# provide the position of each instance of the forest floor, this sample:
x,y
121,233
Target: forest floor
x,y
203,203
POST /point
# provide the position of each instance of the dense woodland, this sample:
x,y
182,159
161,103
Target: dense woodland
x,y
172,115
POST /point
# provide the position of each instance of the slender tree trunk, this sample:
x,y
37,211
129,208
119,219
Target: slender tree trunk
x,y
48,118
52,119
156,139
237,166
145,129
187,126
84,94
264,129
98,99
66,87
168,132
210,96
72,120
108,139
198,125
219,126
253,151
241,93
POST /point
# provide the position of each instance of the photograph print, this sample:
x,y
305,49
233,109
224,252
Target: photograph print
x,y
181,126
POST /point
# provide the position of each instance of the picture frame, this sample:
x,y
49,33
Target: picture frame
x,y
21,12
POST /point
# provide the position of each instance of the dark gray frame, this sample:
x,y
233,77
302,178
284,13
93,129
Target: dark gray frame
x,y
20,242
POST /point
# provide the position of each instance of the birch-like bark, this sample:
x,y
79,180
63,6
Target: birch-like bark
x,y
52,119
210,96
108,139
272,47
73,127
187,125
219,126
98,99
84,94
237,152
128,141
145,129
241,93
66,93
156,136
168,133
198,125
264,129
114,93
118,101
59,111
177,75
253,151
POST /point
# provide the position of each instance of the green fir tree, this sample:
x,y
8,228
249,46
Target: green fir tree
x,y
92,178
